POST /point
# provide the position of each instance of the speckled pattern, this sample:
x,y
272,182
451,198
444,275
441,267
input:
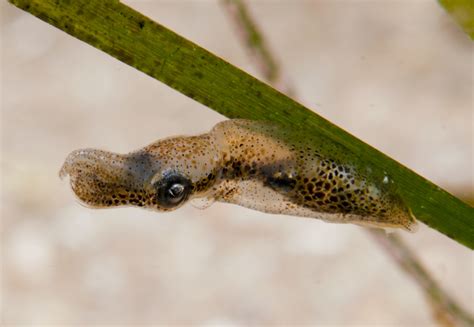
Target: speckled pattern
x,y
241,162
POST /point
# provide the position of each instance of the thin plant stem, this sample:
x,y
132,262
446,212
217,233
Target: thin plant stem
x,y
256,45
445,310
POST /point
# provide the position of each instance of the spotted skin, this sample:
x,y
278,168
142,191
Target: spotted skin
x,y
248,163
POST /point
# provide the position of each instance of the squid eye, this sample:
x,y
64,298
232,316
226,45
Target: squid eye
x,y
172,190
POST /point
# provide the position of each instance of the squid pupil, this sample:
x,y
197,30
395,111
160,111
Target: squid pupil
x,y
176,190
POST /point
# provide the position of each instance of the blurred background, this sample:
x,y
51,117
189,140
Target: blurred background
x,y
397,74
